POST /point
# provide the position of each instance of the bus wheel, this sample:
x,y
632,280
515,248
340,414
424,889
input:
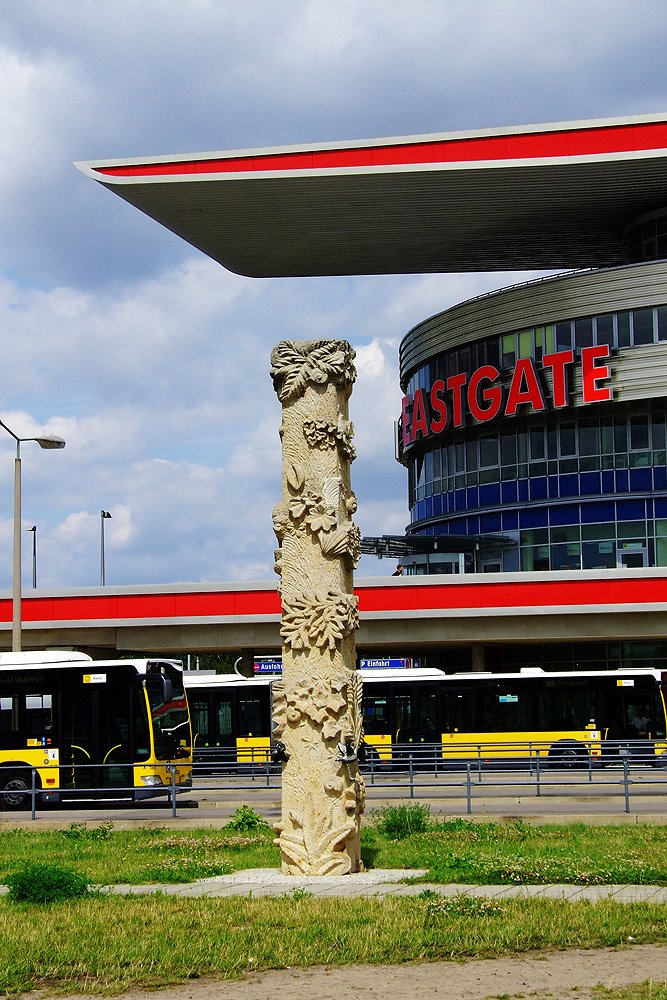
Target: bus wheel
x,y
15,790
567,754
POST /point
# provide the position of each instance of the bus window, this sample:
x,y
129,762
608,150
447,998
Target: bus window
x,y
428,717
403,717
508,709
6,707
565,705
250,717
224,717
38,721
199,712
376,714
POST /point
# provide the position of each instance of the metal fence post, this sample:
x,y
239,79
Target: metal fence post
x,y
626,782
33,793
538,787
468,789
412,776
173,791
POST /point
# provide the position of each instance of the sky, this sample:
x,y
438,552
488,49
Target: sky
x,y
151,360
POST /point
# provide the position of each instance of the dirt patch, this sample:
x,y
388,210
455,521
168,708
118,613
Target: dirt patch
x,y
563,975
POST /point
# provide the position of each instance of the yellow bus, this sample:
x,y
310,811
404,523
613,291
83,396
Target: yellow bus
x,y
81,729
566,717
421,713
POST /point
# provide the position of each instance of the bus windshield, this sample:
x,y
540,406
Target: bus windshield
x,y
169,713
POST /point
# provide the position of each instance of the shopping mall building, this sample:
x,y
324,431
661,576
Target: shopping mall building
x,y
533,422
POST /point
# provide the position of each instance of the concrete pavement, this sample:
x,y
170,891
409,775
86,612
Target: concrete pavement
x,y
378,883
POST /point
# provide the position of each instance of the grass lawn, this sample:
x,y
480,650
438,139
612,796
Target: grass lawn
x,y
106,944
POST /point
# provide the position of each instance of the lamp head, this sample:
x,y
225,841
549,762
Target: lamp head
x,y
50,441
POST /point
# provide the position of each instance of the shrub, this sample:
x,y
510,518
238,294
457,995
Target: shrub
x,y
35,882
246,820
398,822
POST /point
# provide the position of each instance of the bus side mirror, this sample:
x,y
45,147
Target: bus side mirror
x,y
167,689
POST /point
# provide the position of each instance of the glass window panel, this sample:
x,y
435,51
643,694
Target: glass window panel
x,y
662,322
639,440
604,330
620,435
493,352
583,333
563,336
552,441
488,451
471,455
569,533
632,529
539,342
549,340
623,323
658,431
568,439
537,443
508,349
642,325
508,448
588,438
526,344
595,532
599,555
606,437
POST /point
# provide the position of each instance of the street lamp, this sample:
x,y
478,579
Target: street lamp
x,y
104,515
48,441
34,555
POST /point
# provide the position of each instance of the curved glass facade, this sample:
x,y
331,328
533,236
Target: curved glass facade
x,y
569,486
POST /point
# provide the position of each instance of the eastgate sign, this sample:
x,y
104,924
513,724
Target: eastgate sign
x,y
483,397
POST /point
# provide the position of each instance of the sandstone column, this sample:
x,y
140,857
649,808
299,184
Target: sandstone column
x,y
317,704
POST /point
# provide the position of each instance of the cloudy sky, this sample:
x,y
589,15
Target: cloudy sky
x,y
117,336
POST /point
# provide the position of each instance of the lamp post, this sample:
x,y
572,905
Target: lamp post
x,y
34,555
104,515
48,441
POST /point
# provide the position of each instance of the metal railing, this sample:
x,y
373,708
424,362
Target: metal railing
x,y
625,770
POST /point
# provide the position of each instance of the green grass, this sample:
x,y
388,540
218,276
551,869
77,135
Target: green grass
x,y
459,851
107,944
516,853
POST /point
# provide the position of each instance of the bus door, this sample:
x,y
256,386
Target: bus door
x,y
253,742
416,722
221,746
94,735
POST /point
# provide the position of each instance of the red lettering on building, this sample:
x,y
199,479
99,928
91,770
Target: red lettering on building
x,y
558,363
428,412
438,407
492,395
419,420
456,383
525,389
591,374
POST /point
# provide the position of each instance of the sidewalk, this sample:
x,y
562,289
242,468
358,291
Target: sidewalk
x,y
379,883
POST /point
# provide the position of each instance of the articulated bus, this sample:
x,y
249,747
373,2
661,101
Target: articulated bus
x,y
566,717
86,729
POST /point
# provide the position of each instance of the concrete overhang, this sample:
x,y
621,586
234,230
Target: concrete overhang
x,y
546,196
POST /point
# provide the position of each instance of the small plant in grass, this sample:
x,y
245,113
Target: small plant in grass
x,y
42,883
399,822
460,905
246,820
81,831
182,870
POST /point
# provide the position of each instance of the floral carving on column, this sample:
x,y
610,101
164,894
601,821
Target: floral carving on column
x,y
317,703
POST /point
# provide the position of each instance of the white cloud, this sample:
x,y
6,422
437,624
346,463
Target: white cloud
x,y
152,361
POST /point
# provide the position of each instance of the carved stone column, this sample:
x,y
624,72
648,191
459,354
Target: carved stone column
x,y
317,704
